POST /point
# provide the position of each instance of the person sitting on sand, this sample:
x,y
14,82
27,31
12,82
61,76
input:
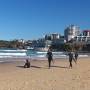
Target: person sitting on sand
x,y
27,64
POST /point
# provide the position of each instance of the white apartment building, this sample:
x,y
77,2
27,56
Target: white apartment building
x,y
71,31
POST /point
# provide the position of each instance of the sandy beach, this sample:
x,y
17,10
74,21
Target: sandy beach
x,y
14,77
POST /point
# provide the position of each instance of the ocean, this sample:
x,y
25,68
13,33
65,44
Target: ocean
x,y
17,54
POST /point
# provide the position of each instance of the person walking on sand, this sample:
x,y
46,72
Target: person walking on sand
x,y
70,59
50,57
76,56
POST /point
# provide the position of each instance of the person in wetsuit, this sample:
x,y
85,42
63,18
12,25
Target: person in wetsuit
x,y
50,57
70,59
27,64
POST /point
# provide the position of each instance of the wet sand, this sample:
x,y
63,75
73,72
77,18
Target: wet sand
x,y
14,77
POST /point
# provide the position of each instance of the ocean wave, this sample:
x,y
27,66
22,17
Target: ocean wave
x,y
52,52
36,55
12,54
13,50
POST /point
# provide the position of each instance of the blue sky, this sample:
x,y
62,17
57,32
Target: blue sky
x,y
31,19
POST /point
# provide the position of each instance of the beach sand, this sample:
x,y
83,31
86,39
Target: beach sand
x,y
14,77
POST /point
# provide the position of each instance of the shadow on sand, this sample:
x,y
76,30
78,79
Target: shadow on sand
x,y
30,66
43,67
36,66
20,66
59,66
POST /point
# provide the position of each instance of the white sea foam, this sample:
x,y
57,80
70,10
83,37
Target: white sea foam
x,y
41,52
83,55
12,54
23,50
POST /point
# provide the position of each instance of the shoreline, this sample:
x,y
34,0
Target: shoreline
x,y
38,58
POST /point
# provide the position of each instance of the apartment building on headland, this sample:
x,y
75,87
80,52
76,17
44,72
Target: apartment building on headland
x,y
73,33
84,37
70,32
53,36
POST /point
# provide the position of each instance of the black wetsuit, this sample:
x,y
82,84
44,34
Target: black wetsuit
x,y
76,56
70,58
27,64
49,55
